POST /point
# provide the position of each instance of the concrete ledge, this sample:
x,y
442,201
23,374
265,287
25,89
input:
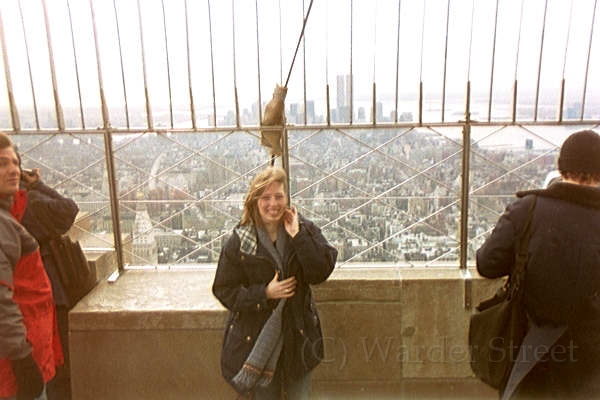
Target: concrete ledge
x,y
388,332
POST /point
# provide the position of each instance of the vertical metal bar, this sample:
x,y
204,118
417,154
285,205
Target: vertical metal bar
x,y
445,62
76,67
112,186
280,45
258,65
121,61
35,109
515,86
59,113
421,66
374,89
105,116
374,105
537,90
493,64
587,65
464,208
212,66
149,119
14,115
421,103
168,63
351,80
328,116
562,86
304,64
285,161
189,66
328,105
514,104
235,91
397,61
471,40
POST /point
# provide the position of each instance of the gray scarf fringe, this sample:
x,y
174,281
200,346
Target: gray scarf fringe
x,y
259,367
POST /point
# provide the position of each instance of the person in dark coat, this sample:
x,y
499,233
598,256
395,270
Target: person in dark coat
x,y
562,281
273,336
49,215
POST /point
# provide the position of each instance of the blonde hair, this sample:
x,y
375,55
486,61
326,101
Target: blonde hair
x,y
261,181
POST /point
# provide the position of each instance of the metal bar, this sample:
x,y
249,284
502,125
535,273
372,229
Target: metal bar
x,y
235,91
421,66
374,88
33,97
121,63
14,114
420,103
464,202
587,65
258,65
76,66
168,63
212,66
515,86
537,90
189,66
351,80
149,119
374,105
114,201
562,86
493,63
60,120
285,161
471,40
304,66
280,45
445,61
514,103
397,62
328,116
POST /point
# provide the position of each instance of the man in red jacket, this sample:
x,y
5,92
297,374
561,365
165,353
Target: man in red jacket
x,y
28,351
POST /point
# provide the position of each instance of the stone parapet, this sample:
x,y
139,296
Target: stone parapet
x,y
388,332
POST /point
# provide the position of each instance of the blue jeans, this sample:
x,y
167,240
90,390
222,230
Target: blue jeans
x,y
42,396
295,390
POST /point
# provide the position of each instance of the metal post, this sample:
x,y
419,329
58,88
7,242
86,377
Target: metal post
x,y
464,203
110,170
14,115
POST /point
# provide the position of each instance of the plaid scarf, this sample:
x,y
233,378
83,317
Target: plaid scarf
x,y
259,367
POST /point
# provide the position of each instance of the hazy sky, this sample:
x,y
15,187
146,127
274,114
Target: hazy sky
x,y
374,34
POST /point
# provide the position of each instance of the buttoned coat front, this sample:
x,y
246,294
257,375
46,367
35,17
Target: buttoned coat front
x,y
244,269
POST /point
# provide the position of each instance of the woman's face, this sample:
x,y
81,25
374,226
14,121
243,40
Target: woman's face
x,y
272,204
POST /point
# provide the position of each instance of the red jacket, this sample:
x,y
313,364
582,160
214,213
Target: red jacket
x,y
33,294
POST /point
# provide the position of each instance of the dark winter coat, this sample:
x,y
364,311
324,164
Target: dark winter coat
x,y
49,215
562,282
240,283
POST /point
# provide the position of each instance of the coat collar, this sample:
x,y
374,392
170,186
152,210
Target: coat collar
x,y
248,239
579,194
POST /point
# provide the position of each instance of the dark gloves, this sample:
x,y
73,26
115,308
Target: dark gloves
x,y
30,382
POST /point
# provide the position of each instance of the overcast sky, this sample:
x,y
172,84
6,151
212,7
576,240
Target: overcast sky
x,y
374,33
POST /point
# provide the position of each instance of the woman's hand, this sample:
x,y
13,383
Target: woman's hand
x,y
290,221
281,289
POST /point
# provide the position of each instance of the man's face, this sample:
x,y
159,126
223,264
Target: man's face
x,y
10,173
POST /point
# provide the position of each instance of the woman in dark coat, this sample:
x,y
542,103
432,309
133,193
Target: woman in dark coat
x,y
562,281
273,336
